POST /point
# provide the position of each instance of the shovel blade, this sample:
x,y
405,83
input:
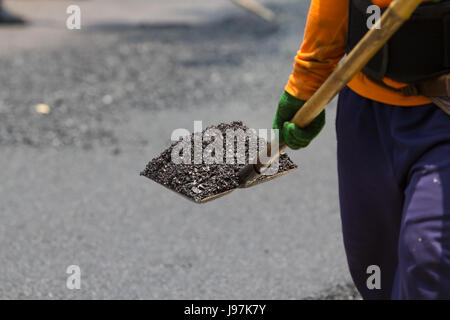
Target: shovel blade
x,y
213,197
253,183
262,179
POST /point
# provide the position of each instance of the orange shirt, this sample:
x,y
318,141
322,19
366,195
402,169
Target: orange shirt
x,y
324,45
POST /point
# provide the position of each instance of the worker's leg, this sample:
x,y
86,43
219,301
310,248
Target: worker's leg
x,y
424,242
370,199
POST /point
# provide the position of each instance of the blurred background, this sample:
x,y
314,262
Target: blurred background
x,y
83,111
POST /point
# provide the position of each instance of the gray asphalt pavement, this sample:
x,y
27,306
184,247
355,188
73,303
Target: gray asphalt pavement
x,y
70,190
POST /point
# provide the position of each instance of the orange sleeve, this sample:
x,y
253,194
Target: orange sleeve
x,y
323,47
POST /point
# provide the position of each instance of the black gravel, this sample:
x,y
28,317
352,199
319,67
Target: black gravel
x,y
200,181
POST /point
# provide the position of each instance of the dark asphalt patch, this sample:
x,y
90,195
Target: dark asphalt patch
x,y
202,181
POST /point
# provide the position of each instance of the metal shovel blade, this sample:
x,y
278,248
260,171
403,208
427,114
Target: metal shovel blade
x,y
253,183
259,180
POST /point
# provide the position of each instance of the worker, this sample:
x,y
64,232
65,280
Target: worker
x,y
393,143
7,17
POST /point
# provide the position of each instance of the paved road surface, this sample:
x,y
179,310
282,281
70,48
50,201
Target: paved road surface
x,y
70,190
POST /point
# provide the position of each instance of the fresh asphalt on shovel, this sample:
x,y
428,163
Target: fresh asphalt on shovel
x,y
204,181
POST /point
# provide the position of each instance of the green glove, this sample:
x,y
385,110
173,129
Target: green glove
x,y
294,136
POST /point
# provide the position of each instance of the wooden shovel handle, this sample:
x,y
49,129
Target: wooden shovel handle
x,y
398,12
256,8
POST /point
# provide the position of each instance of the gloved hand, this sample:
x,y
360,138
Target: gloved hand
x,y
294,136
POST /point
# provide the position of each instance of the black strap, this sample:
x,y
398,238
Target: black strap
x,y
447,40
418,51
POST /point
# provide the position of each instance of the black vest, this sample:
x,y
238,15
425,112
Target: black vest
x,y
418,51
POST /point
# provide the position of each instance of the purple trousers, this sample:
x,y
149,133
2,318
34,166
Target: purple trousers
x,y
394,190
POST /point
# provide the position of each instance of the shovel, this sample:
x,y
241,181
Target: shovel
x,y
393,18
